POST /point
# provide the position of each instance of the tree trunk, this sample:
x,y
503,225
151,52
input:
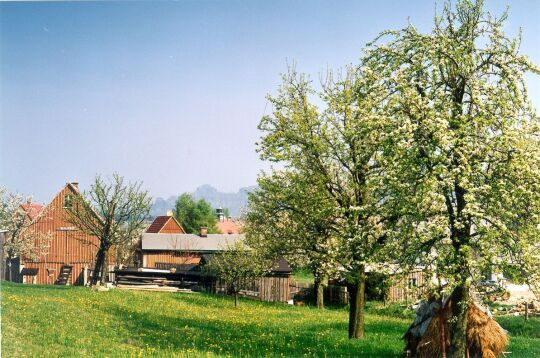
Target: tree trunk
x,y
357,304
100,258
352,289
442,323
360,306
458,324
9,264
105,268
319,292
13,264
9,267
235,299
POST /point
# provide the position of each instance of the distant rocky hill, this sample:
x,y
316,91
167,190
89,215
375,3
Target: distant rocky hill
x,y
233,201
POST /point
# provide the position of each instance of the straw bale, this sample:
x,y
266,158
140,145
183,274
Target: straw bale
x,y
430,344
485,337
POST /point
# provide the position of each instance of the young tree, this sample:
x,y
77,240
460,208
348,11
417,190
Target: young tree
x,y
463,161
125,252
186,252
114,212
195,214
20,239
237,266
338,146
287,216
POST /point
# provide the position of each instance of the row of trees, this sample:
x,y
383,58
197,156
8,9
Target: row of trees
x,y
426,153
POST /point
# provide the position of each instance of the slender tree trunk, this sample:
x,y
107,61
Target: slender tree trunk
x,y
442,328
105,268
235,299
9,266
458,324
357,304
319,292
360,305
460,296
352,288
100,258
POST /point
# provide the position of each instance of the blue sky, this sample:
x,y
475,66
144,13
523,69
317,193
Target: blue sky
x,y
171,93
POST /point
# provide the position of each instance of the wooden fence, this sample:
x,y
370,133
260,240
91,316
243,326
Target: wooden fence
x,y
407,288
333,294
273,288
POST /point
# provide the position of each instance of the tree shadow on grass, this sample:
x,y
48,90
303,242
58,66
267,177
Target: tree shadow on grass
x,y
177,333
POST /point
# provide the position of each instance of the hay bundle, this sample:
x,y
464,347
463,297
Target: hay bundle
x,y
422,323
430,343
485,337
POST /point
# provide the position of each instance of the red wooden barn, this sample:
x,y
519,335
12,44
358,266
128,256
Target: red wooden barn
x,y
72,253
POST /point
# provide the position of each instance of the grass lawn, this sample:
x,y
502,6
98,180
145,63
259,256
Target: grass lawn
x,y
75,321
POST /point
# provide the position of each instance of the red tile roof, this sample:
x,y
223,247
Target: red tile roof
x,y
32,209
229,226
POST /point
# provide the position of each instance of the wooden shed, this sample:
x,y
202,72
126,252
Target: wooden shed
x,y
165,242
164,250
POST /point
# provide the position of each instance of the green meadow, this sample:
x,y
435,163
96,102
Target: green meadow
x,y
54,321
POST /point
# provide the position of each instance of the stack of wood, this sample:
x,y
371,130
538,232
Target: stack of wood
x,y
148,281
529,308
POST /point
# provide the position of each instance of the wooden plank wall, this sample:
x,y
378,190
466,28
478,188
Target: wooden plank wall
x,y
171,227
407,288
169,257
49,271
268,288
275,288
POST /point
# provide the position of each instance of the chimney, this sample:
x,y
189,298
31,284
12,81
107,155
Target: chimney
x,y
75,184
203,231
169,212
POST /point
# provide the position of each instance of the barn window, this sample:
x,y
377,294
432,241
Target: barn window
x,y
68,201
